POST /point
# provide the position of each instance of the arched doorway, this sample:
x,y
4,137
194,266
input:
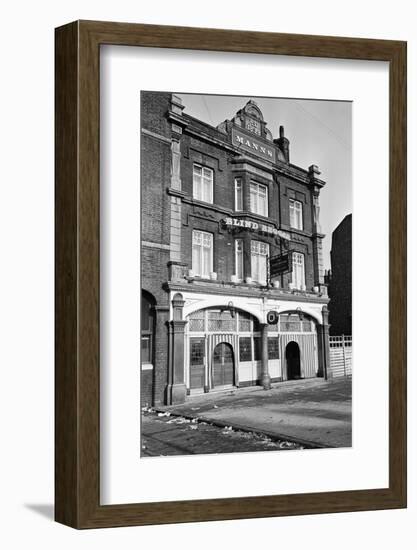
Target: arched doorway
x,y
292,357
223,365
229,366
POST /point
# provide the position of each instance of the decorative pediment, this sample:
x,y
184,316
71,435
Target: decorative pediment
x,y
250,118
251,109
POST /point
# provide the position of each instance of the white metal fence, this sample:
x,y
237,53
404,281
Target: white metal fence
x,y
340,356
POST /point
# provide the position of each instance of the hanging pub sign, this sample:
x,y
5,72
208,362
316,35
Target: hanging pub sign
x,y
272,317
280,264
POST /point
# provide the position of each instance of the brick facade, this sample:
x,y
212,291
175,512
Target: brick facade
x,y
155,234
173,144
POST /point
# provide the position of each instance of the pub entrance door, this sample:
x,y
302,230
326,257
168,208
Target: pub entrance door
x,y
292,356
223,365
197,368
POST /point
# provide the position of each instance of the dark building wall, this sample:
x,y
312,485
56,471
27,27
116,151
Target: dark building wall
x,y
292,189
154,108
154,201
301,240
146,388
155,167
340,286
155,227
200,152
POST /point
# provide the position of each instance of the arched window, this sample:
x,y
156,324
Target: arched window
x,y
147,327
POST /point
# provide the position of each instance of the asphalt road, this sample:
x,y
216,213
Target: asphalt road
x,y
312,410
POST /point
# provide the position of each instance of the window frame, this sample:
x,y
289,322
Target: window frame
x,y
239,262
273,340
199,198
147,333
293,214
238,180
297,285
255,210
256,279
211,268
250,339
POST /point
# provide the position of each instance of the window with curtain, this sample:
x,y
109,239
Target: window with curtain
x,y
296,214
298,271
238,194
239,258
259,256
202,254
202,183
258,198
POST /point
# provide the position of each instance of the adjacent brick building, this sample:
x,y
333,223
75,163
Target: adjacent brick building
x,y
155,244
340,279
217,205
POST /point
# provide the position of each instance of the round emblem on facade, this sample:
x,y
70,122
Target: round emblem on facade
x,y
272,317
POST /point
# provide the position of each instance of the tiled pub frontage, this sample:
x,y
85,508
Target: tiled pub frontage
x,y
221,208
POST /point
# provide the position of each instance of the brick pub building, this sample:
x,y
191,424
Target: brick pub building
x,y
216,205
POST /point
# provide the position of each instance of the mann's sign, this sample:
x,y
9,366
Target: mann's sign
x,y
253,145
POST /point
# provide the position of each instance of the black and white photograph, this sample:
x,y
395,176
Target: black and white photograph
x,y
246,269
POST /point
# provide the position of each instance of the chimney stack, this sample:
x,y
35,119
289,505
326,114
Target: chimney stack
x,y
284,144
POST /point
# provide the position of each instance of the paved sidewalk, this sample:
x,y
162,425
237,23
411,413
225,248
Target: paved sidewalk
x,y
176,435
313,410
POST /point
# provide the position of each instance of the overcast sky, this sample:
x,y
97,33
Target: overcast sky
x,y
320,132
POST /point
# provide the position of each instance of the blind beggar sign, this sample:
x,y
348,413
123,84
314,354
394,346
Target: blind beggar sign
x,y
255,226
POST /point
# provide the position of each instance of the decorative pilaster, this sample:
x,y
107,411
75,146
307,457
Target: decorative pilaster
x,y
316,184
176,158
177,126
318,259
324,346
265,379
176,390
206,369
316,211
160,353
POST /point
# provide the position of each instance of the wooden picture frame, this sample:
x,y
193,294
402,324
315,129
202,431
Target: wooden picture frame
x,y
77,372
